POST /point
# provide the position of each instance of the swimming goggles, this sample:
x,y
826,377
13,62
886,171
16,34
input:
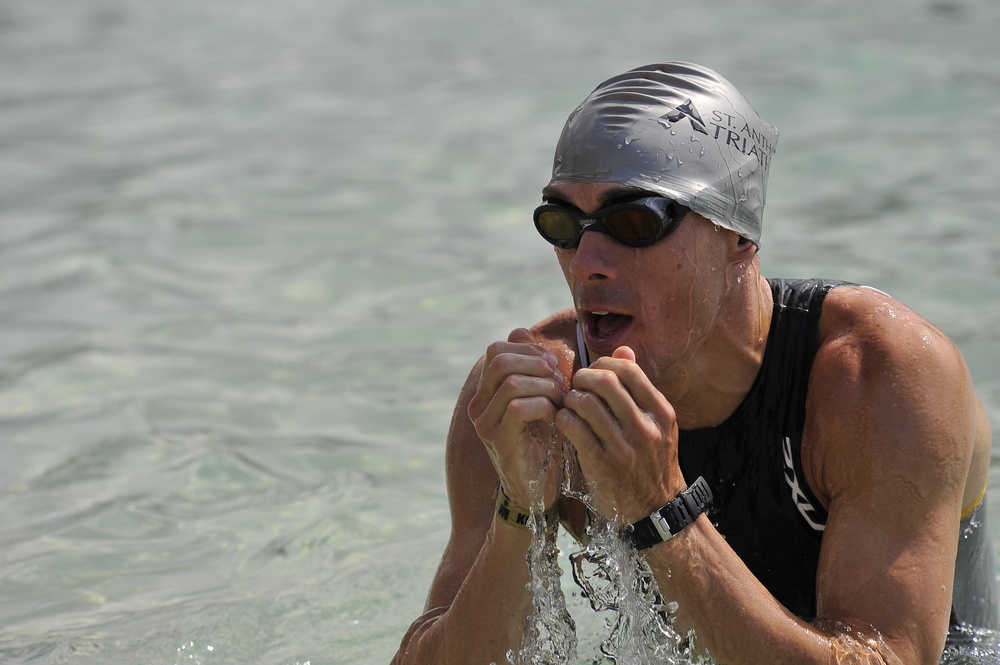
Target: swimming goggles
x,y
639,222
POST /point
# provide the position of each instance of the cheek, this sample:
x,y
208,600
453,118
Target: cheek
x,y
686,288
564,256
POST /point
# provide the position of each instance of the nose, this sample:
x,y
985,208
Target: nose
x,y
594,258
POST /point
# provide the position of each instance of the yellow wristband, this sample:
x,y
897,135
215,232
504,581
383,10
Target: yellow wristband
x,y
517,516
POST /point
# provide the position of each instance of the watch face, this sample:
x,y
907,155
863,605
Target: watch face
x,y
662,526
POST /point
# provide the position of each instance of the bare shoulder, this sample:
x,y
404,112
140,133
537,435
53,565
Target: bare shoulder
x,y
891,390
863,320
558,334
869,339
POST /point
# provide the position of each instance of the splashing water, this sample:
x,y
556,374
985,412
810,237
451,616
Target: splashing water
x,y
613,578
972,646
550,638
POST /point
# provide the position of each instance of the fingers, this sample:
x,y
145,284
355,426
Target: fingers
x,y
520,355
520,383
589,422
582,432
633,385
624,432
615,397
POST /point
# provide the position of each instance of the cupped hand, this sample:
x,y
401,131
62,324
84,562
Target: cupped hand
x,y
624,432
520,390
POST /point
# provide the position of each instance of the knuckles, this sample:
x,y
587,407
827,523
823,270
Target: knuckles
x,y
496,349
509,385
604,381
527,409
582,401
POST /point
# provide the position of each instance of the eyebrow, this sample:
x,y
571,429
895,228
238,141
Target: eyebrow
x,y
607,197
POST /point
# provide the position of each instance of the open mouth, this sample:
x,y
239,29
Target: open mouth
x,y
603,325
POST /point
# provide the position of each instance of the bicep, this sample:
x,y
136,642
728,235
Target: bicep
x,y
894,431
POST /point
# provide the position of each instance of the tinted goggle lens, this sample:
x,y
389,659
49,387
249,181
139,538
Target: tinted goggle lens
x,y
638,223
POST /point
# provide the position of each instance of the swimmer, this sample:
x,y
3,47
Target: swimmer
x,y
802,463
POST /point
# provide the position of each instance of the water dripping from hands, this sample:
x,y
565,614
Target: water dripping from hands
x,y
550,636
616,579
613,577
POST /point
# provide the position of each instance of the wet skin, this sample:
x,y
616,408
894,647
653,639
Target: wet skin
x,y
895,445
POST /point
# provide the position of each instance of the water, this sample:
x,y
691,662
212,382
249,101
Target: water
x,y
250,250
617,581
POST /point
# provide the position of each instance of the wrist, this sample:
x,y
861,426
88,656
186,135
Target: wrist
x,y
520,517
666,522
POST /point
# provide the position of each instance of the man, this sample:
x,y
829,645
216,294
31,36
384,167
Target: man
x,y
802,463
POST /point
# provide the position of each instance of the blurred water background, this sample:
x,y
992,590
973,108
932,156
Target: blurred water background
x,y
249,251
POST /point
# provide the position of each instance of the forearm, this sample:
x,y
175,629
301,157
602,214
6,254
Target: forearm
x,y
488,615
735,618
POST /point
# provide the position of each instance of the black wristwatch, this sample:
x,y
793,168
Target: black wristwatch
x,y
668,521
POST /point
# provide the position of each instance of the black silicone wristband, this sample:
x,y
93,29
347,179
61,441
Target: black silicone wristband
x,y
517,516
668,521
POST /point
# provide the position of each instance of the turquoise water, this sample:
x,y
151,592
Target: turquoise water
x,y
249,250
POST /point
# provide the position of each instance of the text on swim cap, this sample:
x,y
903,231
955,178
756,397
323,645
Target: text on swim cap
x,y
745,139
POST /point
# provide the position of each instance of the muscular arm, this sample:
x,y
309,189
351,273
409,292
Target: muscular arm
x,y
895,455
890,442
478,603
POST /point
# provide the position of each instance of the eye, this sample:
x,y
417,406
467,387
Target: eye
x,y
635,224
558,224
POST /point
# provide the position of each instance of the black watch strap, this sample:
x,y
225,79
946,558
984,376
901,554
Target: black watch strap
x,y
667,522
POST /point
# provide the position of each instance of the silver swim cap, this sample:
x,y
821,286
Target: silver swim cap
x,y
679,130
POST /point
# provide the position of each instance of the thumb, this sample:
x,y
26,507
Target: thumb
x,y
624,353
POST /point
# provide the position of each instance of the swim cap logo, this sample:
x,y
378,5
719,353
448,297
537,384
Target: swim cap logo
x,y
687,110
748,140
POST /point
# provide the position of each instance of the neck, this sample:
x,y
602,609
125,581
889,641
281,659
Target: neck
x,y
714,381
